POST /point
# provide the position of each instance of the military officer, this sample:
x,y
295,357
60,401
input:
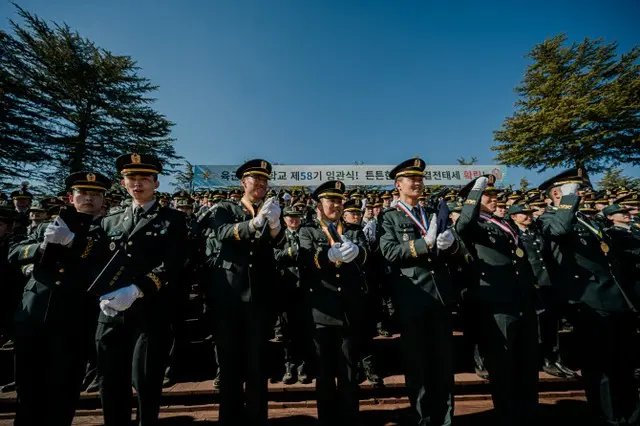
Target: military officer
x,y
539,256
594,285
21,201
422,294
294,323
333,273
502,295
626,241
56,316
242,288
133,326
37,215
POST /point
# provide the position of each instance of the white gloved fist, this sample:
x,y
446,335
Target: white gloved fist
x,y
121,299
28,270
259,221
569,188
430,238
334,253
58,232
445,240
480,184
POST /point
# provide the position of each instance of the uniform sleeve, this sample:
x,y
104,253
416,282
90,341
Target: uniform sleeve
x,y
172,262
226,229
26,251
560,222
394,250
467,223
286,256
363,245
313,256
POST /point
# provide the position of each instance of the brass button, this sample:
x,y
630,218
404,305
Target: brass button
x,y
61,270
339,288
250,253
311,290
250,266
129,254
130,243
337,275
58,282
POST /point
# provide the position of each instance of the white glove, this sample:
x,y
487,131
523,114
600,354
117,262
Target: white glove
x,y
274,216
121,299
28,270
430,238
108,311
348,250
480,184
334,253
445,240
569,188
263,216
58,232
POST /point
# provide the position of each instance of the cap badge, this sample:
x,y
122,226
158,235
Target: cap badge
x,y
91,177
339,185
263,165
135,158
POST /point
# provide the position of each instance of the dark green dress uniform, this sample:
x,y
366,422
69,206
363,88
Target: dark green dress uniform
x,y
294,322
539,256
243,286
132,346
55,318
503,294
336,296
422,294
603,322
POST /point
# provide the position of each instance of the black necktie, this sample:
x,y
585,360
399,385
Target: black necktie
x,y
137,214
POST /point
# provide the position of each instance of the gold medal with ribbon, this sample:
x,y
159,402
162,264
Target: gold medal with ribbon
x,y
603,245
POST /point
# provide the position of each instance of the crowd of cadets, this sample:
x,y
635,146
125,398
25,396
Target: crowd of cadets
x,y
331,269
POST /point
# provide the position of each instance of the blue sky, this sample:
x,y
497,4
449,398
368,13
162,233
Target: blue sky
x,y
336,81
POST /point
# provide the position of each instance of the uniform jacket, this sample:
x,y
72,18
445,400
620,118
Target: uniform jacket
x,y
419,275
336,291
587,272
499,276
56,291
538,253
287,261
156,249
246,268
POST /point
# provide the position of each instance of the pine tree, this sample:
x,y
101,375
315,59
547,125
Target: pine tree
x,y
88,105
578,105
613,179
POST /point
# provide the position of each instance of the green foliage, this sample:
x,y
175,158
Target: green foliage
x,y
184,179
470,162
578,105
613,179
78,106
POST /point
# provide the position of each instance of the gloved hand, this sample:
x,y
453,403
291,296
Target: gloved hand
x,y
348,250
121,299
569,188
263,216
110,312
334,253
27,270
58,232
274,216
430,238
445,240
480,184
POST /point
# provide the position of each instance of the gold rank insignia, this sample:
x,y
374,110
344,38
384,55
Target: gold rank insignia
x,y
135,158
91,177
339,185
263,165
416,162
